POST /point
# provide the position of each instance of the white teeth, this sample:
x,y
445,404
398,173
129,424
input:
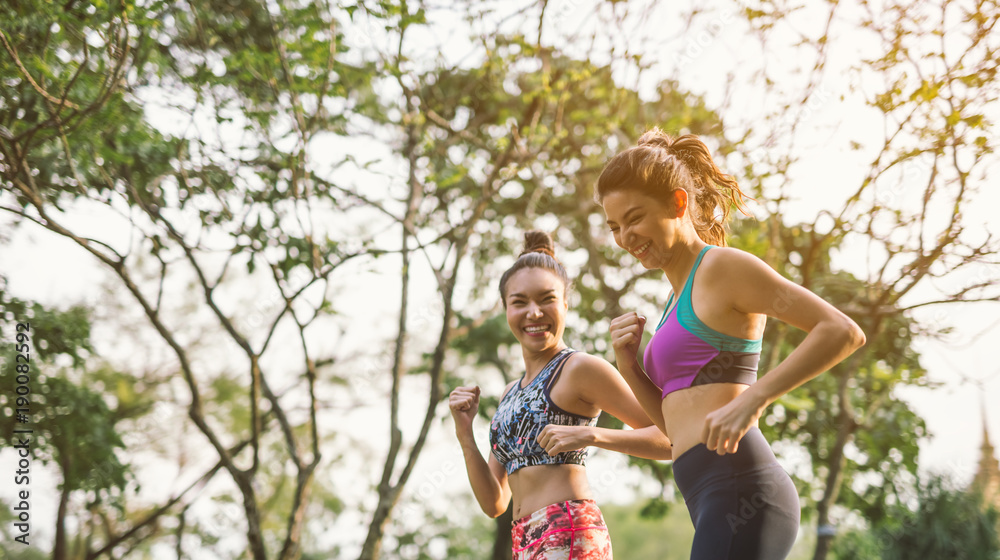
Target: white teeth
x,y
536,329
639,250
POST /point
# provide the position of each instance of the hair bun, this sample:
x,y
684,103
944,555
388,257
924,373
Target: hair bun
x,y
538,242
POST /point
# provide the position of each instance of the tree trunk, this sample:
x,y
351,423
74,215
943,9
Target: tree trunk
x,y
255,535
59,547
845,431
847,424
372,548
502,544
388,493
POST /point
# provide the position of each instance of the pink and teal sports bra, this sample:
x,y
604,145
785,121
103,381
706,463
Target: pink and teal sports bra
x,y
684,352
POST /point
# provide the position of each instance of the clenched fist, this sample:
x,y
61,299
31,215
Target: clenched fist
x,y
464,405
626,334
556,439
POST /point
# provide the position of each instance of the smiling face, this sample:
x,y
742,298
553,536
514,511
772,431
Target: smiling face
x,y
536,308
644,226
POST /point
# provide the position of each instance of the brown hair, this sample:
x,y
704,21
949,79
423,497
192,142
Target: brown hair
x,y
659,164
538,253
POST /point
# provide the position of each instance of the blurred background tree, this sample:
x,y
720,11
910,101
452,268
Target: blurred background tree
x,y
946,522
303,210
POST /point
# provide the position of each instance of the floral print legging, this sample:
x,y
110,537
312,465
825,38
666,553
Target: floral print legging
x,y
571,530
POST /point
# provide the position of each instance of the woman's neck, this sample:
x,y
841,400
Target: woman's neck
x,y
684,253
535,361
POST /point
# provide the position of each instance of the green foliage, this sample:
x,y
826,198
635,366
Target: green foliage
x,y
947,522
460,537
72,424
63,107
638,536
581,114
65,333
9,548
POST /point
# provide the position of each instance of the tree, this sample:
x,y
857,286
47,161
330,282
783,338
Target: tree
x,y
73,80
68,424
946,522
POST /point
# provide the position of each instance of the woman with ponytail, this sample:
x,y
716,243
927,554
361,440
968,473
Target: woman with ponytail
x,y
546,420
666,203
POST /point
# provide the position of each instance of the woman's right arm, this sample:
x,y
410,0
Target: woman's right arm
x,y
487,477
626,333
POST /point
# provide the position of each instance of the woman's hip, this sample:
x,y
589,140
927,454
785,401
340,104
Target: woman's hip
x,y
571,530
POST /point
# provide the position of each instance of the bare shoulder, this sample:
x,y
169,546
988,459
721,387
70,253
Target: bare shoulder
x,y
591,380
730,267
584,364
730,259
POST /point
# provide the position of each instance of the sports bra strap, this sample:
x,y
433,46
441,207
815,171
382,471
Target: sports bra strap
x,y
558,370
690,279
686,290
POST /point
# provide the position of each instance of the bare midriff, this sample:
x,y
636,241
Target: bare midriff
x,y
533,488
684,412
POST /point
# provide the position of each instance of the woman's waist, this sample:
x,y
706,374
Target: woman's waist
x,y
684,412
533,488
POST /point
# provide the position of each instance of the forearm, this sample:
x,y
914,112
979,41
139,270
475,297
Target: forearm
x,y
826,345
650,396
492,496
647,443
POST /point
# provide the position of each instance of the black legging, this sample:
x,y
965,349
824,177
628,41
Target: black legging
x,y
744,506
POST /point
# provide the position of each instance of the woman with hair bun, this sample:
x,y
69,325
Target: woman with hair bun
x,y
546,420
666,203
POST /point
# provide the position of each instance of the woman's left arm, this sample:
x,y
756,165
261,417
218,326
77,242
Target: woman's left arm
x,y
600,386
760,290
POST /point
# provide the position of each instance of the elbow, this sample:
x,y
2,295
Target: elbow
x,y
854,337
495,512
668,450
497,508
859,337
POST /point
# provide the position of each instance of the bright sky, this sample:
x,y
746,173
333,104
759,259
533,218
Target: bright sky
x,y
715,63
